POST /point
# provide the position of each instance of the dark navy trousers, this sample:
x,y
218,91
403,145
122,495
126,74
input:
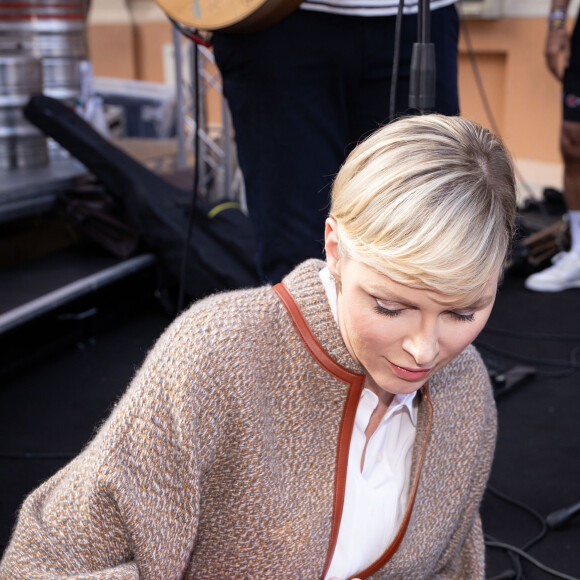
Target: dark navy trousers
x,y
302,93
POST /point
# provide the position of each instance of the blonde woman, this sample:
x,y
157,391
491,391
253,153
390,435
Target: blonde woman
x,y
338,425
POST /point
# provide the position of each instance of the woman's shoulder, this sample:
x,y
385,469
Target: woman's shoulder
x,y
223,317
233,314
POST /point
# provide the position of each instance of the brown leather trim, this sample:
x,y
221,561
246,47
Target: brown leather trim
x,y
311,342
355,381
394,546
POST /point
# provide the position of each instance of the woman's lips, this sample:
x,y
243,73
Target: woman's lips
x,y
409,374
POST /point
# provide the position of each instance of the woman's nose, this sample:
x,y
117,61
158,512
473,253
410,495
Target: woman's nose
x,y
423,345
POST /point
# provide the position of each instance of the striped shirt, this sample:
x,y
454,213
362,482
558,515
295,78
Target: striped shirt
x,y
368,7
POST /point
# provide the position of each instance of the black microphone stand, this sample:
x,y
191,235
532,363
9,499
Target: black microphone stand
x,y
422,81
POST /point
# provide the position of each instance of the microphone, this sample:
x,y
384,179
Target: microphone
x,y
561,517
422,79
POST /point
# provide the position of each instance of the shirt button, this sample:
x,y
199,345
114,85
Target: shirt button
x,y
379,457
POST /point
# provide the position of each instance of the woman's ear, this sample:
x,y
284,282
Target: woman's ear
x,y
331,247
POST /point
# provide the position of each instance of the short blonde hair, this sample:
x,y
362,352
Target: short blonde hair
x,y
429,201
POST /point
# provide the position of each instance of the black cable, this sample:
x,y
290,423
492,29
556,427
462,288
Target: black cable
x,y
518,573
495,544
544,526
524,358
195,188
570,365
516,553
532,335
396,59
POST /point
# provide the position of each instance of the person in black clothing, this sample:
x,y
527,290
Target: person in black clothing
x,y
303,92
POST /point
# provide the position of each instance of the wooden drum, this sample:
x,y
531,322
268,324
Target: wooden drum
x,y
228,15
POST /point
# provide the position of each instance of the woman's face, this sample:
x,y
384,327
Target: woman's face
x,y
400,335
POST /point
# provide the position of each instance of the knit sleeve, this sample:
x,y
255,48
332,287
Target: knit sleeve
x,y
127,507
464,556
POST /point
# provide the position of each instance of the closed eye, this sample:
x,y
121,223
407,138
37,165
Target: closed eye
x,y
393,312
461,317
387,311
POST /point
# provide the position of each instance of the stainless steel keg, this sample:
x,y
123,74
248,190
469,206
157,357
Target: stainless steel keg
x,y
44,28
52,30
21,144
56,33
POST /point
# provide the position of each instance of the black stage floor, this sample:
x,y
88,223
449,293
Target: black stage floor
x,y
54,407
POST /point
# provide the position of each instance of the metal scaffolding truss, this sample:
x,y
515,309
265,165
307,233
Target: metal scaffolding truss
x,y
220,177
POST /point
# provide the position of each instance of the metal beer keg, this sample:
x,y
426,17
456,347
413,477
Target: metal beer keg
x,y
44,28
21,144
56,33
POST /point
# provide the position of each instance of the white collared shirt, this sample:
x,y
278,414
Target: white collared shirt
x,y
375,498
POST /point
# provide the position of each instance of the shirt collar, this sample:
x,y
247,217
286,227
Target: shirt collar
x,y
403,401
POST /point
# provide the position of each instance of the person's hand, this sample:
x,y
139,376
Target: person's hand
x,y
557,51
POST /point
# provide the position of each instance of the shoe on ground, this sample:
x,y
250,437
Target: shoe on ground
x,y
563,274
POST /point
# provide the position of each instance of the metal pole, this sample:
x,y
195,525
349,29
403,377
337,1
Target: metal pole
x,y
180,114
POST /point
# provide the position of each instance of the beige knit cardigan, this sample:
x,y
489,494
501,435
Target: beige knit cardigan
x,y
219,462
